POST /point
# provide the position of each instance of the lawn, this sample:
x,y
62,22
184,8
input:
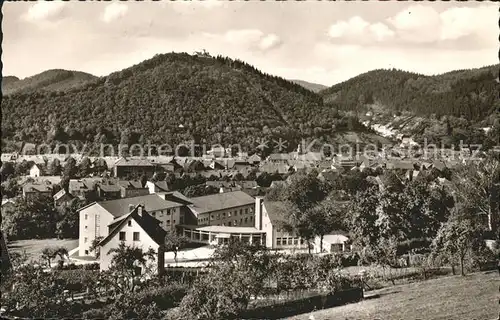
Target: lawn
x,y
34,247
471,297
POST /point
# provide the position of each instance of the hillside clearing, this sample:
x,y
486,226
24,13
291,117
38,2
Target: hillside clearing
x,y
472,297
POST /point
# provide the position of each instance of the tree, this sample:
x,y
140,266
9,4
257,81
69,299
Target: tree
x,y
54,167
200,190
50,253
7,170
175,242
302,196
84,167
36,294
264,180
100,166
68,220
476,186
10,187
94,246
215,295
123,275
457,238
70,168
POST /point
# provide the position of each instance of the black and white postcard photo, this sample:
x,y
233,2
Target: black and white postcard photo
x,y
227,160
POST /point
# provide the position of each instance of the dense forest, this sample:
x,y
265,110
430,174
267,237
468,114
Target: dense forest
x,y
315,87
50,80
471,94
172,98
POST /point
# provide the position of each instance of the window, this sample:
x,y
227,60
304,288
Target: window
x,y
129,223
173,222
295,241
241,212
223,214
168,212
86,216
302,241
229,214
86,227
168,222
251,218
122,236
85,240
246,211
278,241
136,236
86,252
246,219
235,222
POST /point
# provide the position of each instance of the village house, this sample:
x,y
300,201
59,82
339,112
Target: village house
x,y
254,159
132,188
62,197
224,209
158,186
81,188
108,190
279,158
133,167
336,241
95,217
33,190
139,229
37,170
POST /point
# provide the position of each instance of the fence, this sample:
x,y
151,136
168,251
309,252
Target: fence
x,y
272,309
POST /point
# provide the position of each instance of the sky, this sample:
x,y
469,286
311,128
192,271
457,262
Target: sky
x,y
321,42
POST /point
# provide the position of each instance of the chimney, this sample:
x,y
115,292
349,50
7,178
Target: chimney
x,y
131,207
258,212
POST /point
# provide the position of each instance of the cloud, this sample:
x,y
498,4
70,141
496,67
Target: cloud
x,y
356,28
190,6
269,41
114,11
44,11
424,24
248,39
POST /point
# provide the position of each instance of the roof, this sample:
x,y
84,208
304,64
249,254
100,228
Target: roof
x,y
220,201
162,185
152,202
224,229
279,156
130,184
133,162
34,187
175,196
39,180
109,187
335,237
276,211
149,224
60,194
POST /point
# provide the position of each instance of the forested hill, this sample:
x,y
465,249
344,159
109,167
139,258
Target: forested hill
x,y
169,99
472,94
315,87
50,80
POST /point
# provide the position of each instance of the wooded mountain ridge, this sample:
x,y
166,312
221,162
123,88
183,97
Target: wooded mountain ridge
x,y
178,97
471,94
173,98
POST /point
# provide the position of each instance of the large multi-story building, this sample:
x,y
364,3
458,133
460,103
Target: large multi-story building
x,y
234,209
97,216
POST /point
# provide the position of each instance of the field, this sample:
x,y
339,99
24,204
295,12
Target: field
x,y
34,247
450,298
